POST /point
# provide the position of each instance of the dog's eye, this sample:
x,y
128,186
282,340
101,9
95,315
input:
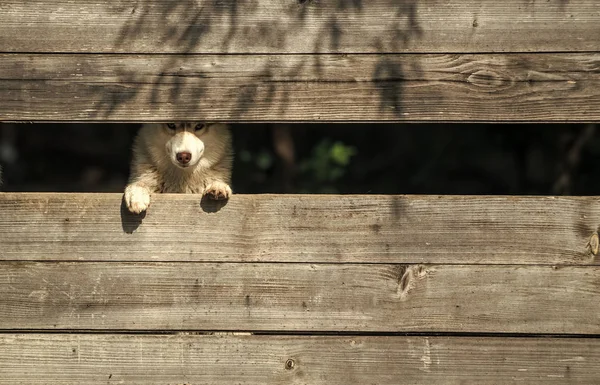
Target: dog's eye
x,y
171,126
200,126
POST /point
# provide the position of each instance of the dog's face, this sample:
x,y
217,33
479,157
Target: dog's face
x,y
185,146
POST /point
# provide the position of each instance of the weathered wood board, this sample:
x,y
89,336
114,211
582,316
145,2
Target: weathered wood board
x,y
379,88
302,228
88,291
298,26
298,297
191,359
298,61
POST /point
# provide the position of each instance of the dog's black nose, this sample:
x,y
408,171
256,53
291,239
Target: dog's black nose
x,y
184,157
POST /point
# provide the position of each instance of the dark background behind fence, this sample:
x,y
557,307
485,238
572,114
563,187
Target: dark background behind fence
x,y
327,158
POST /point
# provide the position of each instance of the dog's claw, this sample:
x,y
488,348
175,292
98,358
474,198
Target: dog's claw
x,y
137,199
218,191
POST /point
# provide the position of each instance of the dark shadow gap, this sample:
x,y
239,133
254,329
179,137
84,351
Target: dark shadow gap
x,y
461,159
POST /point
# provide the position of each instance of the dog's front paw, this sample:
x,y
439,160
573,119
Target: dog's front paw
x,y
218,190
137,198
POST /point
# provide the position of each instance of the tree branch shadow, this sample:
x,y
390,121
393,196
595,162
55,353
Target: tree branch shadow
x,y
196,29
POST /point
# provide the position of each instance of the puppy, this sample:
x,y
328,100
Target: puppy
x,y
190,157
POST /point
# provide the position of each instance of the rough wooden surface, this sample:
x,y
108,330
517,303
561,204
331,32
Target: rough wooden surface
x,y
275,26
322,263
296,297
301,228
468,87
160,360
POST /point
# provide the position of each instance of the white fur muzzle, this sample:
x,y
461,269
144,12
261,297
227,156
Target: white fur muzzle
x,y
185,142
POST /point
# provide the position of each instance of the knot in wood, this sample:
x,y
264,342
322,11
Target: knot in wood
x,y
289,364
493,81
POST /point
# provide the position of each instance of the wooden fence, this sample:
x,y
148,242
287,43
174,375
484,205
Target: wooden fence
x,y
294,289
274,60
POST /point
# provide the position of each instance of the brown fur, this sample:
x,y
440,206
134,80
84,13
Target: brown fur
x,y
155,170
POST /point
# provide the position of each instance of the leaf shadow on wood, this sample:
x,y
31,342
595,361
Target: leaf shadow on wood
x,y
114,95
182,31
388,75
199,32
183,24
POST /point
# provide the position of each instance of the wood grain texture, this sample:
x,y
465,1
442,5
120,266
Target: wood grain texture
x,y
301,228
140,359
274,26
509,88
299,297
549,87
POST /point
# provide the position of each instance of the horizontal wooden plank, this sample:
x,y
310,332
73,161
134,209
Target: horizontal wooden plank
x,y
307,228
509,88
273,26
144,359
299,297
